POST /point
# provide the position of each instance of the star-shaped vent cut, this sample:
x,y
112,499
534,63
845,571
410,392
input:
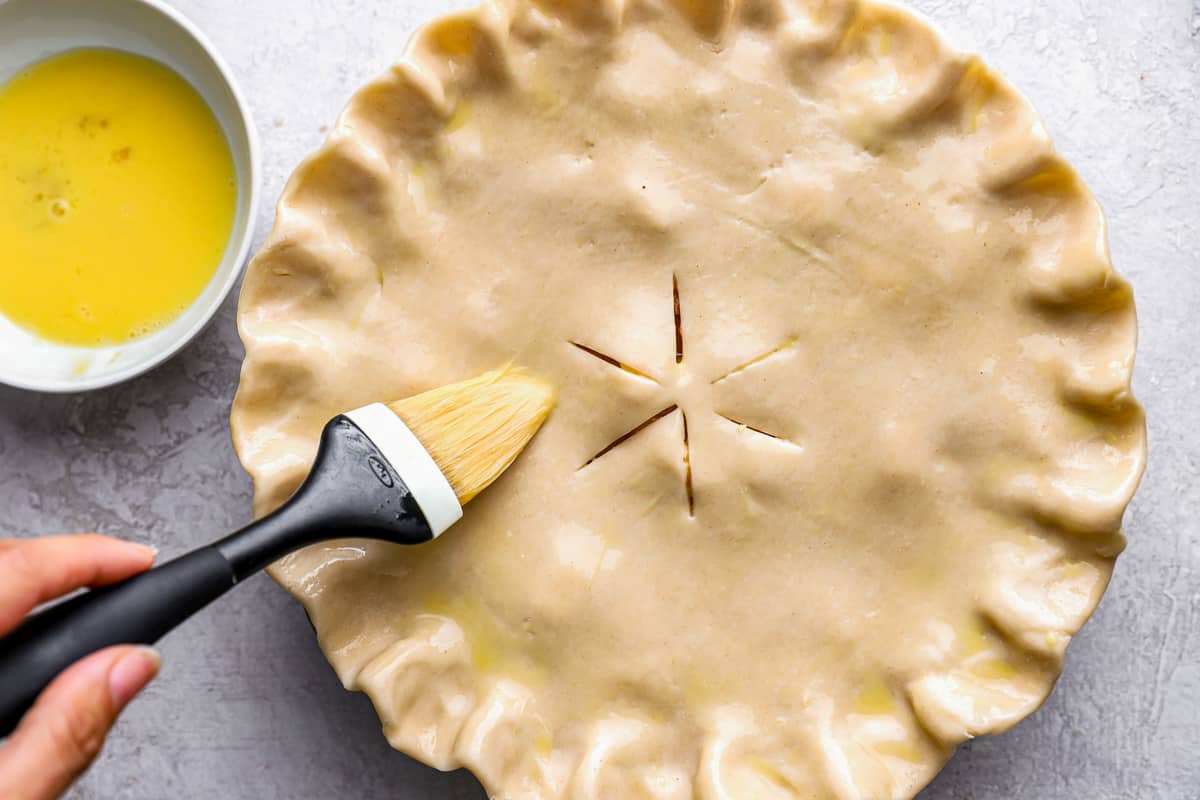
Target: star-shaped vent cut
x,y
679,404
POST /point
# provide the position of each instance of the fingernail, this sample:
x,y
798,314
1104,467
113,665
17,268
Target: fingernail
x,y
132,672
150,549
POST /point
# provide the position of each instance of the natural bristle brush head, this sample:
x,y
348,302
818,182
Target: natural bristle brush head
x,y
475,429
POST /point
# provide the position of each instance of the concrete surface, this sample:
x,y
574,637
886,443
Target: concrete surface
x,y
246,706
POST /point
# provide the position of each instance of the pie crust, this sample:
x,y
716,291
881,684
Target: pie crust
x,y
845,432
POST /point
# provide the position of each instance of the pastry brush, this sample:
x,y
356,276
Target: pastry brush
x,y
398,472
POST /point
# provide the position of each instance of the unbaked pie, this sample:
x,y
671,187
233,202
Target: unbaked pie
x,y
845,432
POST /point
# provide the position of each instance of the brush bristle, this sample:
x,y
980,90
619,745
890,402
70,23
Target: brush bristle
x,y
476,428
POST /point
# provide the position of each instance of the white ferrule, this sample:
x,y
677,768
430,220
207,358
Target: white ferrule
x,y
413,464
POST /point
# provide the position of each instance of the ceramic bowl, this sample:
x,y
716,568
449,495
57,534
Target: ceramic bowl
x,y
32,30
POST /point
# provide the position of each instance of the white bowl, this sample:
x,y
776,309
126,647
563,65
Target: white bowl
x,y
31,30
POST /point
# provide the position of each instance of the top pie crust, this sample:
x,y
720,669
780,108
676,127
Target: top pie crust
x,y
859,318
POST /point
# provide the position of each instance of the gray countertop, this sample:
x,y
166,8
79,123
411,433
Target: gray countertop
x,y
246,706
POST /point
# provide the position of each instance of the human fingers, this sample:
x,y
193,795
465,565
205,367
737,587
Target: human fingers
x,y
33,571
63,732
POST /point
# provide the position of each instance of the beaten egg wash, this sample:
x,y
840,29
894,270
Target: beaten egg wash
x,y
117,197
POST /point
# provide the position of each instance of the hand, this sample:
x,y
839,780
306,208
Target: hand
x,y
64,731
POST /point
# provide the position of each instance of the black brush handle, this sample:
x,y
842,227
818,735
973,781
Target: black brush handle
x,y
138,611
352,490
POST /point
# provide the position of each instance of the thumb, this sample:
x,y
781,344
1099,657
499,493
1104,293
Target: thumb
x,y
64,731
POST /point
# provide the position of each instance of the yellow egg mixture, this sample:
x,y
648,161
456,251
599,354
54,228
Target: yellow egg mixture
x,y
117,197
